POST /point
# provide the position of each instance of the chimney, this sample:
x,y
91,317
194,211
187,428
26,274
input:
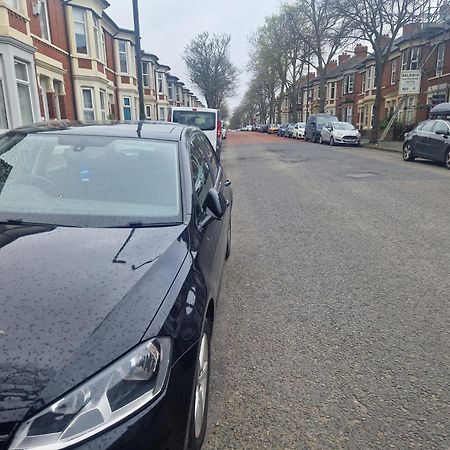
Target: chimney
x,y
332,65
361,50
411,28
342,58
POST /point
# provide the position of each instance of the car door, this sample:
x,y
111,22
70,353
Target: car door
x,y
440,141
207,174
422,141
326,132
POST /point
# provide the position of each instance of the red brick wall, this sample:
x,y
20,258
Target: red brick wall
x,y
84,63
125,80
17,22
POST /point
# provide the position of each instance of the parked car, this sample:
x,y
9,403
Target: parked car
x,y
299,130
429,140
113,241
273,129
265,128
282,129
290,131
314,126
340,133
208,120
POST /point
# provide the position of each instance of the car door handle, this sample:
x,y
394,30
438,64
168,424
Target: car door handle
x,y
227,183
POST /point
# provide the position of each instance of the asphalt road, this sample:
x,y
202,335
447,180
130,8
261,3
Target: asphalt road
x,y
333,324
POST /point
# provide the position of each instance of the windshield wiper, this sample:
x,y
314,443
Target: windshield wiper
x,y
148,225
19,222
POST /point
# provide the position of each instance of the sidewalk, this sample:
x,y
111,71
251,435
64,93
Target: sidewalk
x,y
387,146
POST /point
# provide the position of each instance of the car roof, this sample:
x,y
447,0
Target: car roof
x,y
143,129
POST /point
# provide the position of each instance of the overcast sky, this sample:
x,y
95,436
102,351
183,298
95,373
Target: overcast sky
x,y
168,25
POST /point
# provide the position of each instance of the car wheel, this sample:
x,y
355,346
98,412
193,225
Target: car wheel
x,y
332,141
228,251
199,413
447,159
407,152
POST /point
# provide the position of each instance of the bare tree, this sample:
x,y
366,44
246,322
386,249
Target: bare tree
x,y
326,31
210,68
379,22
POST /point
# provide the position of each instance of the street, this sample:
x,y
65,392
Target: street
x,y
333,321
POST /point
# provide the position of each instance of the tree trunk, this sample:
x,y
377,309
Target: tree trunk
x,y
378,99
280,103
322,89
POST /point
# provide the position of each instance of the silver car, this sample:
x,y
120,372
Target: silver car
x,y
340,133
299,130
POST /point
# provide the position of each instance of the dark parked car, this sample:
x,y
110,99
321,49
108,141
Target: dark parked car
x,y
282,129
314,126
429,140
113,240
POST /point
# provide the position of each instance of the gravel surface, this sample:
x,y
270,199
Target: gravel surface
x,y
333,324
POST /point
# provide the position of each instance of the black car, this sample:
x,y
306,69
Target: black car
x,y
112,244
314,125
429,140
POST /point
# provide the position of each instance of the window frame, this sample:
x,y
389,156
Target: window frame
x,y
148,109
103,104
394,72
84,23
13,4
146,74
410,58
85,108
98,38
347,109
123,53
440,60
43,14
160,83
26,83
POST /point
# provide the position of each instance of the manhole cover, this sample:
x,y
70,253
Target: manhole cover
x,y
357,176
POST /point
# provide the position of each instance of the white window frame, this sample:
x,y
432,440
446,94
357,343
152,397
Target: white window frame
x,y
410,58
371,115
84,23
97,38
410,109
170,91
394,72
440,57
163,110
85,108
363,82
103,103
26,83
146,73
129,106
160,83
349,108
124,53
148,111
43,16
102,33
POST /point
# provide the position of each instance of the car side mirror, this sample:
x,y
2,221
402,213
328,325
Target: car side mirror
x,y
441,132
215,204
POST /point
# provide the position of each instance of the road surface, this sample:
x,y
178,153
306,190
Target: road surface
x,y
333,324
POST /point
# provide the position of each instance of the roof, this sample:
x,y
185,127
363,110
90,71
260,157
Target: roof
x,y
143,129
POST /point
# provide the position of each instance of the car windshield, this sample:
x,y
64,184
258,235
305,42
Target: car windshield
x,y
206,121
89,181
343,126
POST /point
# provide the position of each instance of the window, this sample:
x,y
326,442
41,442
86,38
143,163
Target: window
x,y
371,115
23,87
123,57
88,104
209,155
103,103
97,39
394,72
369,79
103,46
127,108
202,178
79,21
43,20
332,91
410,110
3,112
428,126
145,74
442,128
160,82
148,111
440,60
363,82
170,91
13,4
178,95
162,113
410,59
349,83
349,114
361,117
206,121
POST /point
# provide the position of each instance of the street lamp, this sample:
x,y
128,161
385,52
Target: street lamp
x,y
140,76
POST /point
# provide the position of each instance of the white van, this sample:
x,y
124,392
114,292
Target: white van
x,y
208,120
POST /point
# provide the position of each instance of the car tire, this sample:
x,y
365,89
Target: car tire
x,y
228,251
198,423
447,159
332,141
407,152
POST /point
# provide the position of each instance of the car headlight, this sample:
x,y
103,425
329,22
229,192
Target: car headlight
x,y
116,392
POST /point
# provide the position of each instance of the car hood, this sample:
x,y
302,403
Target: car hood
x,y
72,300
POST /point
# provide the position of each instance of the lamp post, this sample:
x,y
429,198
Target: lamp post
x,y
140,76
